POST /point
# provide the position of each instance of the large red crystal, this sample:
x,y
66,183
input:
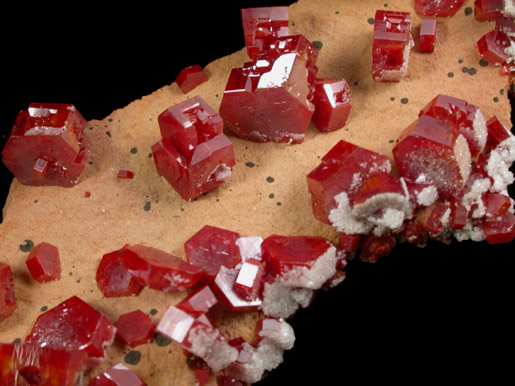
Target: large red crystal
x,y
43,263
194,155
441,8
190,77
269,99
492,46
135,328
332,104
486,10
47,145
8,302
391,46
118,375
74,325
29,364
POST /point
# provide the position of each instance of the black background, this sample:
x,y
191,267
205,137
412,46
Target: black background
x,y
441,313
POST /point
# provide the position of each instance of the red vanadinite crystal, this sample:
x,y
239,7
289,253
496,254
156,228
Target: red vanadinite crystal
x,y
74,325
118,375
135,328
194,155
250,278
349,242
375,247
505,24
496,204
211,248
492,47
8,302
125,174
47,145
500,230
458,216
427,35
332,104
43,263
224,285
497,133
269,100
190,77
486,10
442,8
391,46
434,223
199,302
261,26
113,278
28,364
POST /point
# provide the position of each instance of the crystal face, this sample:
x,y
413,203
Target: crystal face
x,y
269,99
427,35
118,375
391,46
492,47
47,145
8,302
43,263
74,325
135,328
190,77
194,155
443,8
332,103
199,302
486,10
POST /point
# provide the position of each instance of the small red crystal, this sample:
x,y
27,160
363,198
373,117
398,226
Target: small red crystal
x,y
500,230
43,263
47,145
8,302
375,247
125,174
459,214
496,204
135,328
427,35
199,302
74,325
434,223
497,133
113,278
224,285
250,279
332,104
492,47
118,375
349,242
190,77
486,10
442,8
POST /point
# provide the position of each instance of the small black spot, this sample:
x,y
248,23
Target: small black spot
x,y
460,61
501,91
391,141
496,99
91,127
29,244
153,311
404,101
150,155
78,281
483,63
134,150
271,195
216,95
465,70
279,203
44,309
161,340
110,119
450,74
132,357
371,20
250,164
17,341
468,11
356,83
147,205
182,209
108,133
392,98
70,273
318,44
35,201
270,179
337,13
472,71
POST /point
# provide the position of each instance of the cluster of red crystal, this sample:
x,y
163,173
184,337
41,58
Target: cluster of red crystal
x,y
269,99
47,145
118,375
8,302
452,177
194,155
190,77
442,8
391,46
44,263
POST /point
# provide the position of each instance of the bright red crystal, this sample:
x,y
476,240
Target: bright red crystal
x,y
190,77
74,325
332,104
224,285
211,248
125,174
269,100
349,242
199,302
496,204
47,146
497,133
8,302
194,155
427,35
113,278
375,247
500,230
261,26
250,279
486,10
391,46
43,263
135,328
28,364
492,47
118,375
441,8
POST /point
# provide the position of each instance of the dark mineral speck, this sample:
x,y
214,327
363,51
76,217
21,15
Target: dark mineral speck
x,y
153,311
371,20
132,357
44,308
134,150
29,244
147,206
318,44
161,340
404,101
468,11
250,164
270,179
483,63
450,74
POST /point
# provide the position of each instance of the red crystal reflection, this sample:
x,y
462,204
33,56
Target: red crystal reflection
x,y
225,286
190,77
194,155
332,104
47,145
199,302
118,375
391,46
492,47
161,271
269,99
497,133
500,230
249,280
74,325
211,248
28,364
340,168
261,26
442,8
496,204
427,35
113,278
43,263
135,328
486,10
8,302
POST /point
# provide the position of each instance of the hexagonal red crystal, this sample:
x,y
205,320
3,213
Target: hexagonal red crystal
x,y
74,325
332,104
44,263
492,46
199,302
190,77
486,10
8,302
375,247
427,36
500,230
47,145
135,328
443,8
118,375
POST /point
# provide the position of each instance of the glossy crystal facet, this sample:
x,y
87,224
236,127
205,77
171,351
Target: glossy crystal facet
x,y
199,302
135,328
8,302
488,10
43,263
190,77
427,36
440,8
332,104
118,375
492,47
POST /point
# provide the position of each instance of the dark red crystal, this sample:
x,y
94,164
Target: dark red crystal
x,y
375,247
135,328
486,10
427,36
125,174
332,104
492,47
442,8
496,204
434,223
44,263
458,217
250,279
118,375
497,133
349,242
190,77
500,230
199,302
8,302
